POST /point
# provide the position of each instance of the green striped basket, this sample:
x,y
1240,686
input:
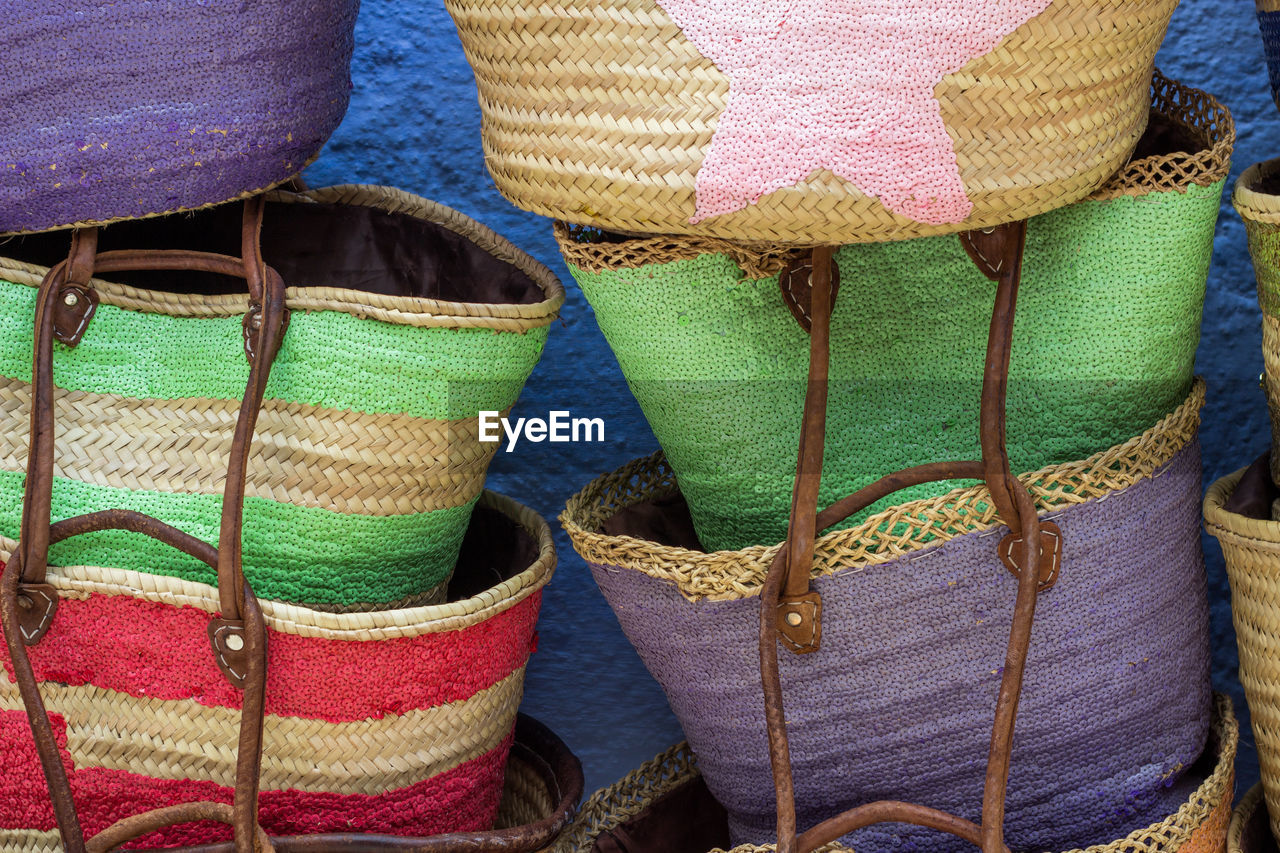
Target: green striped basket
x,y
406,320
1107,327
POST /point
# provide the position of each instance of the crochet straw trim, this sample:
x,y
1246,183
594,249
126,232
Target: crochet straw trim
x,y
884,536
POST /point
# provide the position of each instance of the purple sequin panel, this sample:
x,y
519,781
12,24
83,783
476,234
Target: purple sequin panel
x,y
898,703
137,107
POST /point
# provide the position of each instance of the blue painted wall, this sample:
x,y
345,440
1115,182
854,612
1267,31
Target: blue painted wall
x,y
414,123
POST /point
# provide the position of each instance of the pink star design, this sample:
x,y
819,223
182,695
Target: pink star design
x,y
845,85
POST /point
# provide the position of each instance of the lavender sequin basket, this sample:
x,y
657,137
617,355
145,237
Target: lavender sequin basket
x,y
140,107
898,702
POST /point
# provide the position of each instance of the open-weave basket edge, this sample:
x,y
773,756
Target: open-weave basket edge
x,y
1252,205
611,806
1195,109
1240,818
82,581
721,575
400,310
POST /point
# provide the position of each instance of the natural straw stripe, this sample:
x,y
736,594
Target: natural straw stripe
x,y
338,460
1197,111
602,114
1268,5
882,537
525,800
183,739
1191,827
83,581
400,310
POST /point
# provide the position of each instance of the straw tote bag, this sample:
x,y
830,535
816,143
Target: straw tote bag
x,y
143,107
896,704
155,701
1238,511
739,120
1257,200
407,320
705,333
877,672
664,807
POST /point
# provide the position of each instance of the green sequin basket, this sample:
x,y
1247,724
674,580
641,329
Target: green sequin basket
x,y
406,320
1108,323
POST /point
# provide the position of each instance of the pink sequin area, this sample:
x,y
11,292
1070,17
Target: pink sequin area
x,y
843,85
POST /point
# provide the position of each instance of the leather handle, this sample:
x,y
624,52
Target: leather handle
x,y
137,826
800,609
267,316
998,253
239,637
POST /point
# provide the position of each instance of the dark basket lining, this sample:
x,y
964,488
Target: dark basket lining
x,y
311,245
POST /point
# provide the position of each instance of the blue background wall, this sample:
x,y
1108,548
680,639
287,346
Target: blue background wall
x,y
414,123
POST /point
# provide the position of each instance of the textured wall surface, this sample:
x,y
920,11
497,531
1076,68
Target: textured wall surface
x,y
414,123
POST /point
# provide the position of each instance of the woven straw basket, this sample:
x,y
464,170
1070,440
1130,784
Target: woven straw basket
x,y
408,319
664,807
395,722
640,115
1250,831
142,107
916,607
1257,200
1269,24
1108,323
1237,510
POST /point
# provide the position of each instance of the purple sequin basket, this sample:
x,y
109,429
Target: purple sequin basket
x,y
897,703
141,107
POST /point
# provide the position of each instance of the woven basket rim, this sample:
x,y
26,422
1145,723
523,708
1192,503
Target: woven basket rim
x,y
1222,523
1241,816
1251,204
720,575
610,806
288,618
401,310
1196,110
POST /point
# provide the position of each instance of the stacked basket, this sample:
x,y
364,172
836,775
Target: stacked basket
x,y
1242,510
735,186
348,658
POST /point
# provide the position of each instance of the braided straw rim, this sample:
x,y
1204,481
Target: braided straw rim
x,y
1240,819
1196,110
1222,523
1254,205
401,310
884,536
287,618
610,807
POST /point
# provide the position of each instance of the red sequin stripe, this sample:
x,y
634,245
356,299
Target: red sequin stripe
x,y
146,648
462,799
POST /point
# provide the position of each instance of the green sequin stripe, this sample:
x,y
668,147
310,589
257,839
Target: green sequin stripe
x,y
1103,346
327,558
328,358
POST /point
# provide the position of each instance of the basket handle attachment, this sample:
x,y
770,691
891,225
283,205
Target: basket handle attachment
x,y
791,611
27,603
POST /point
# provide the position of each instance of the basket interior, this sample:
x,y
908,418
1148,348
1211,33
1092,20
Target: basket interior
x,y
496,548
1254,494
311,245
